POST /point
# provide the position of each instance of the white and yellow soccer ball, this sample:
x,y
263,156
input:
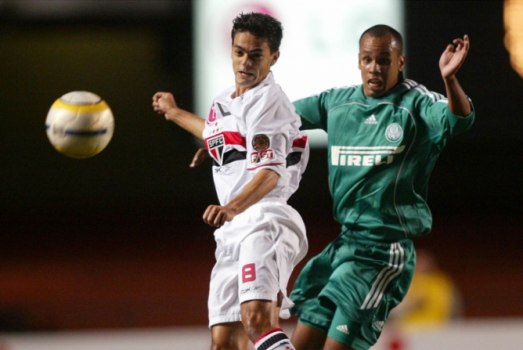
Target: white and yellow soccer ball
x,y
80,124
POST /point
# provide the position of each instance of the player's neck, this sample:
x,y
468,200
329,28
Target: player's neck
x,y
240,90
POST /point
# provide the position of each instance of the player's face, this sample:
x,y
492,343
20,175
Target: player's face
x,y
380,62
251,61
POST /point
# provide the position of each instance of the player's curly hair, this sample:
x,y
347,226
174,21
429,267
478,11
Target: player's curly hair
x,y
261,26
380,30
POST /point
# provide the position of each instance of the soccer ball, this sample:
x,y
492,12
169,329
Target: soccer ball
x,y
80,124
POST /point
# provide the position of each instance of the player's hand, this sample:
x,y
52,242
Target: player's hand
x,y
164,102
216,215
199,157
454,56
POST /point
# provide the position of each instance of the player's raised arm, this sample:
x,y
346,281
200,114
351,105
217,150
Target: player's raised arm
x,y
164,103
449,64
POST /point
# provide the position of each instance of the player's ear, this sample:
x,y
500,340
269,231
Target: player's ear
x,y
275,55
402,61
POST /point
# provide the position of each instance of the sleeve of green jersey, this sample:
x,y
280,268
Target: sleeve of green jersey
x,y
312,111
442,121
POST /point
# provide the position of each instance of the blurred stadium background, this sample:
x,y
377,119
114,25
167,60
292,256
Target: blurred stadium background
x,y
115,246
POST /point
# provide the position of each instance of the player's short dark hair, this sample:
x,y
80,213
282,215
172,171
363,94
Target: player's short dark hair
x,y
261,26
381,30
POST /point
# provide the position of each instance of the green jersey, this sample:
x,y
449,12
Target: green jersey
x,y
381,154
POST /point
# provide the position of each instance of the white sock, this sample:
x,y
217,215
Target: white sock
x,y
273,339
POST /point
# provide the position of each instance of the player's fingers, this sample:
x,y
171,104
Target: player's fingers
x,y
219,219
449,48
207,214
466,42
210,217
199,157
157,96
195,160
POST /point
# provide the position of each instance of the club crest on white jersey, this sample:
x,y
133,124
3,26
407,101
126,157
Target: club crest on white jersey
x,y
216,145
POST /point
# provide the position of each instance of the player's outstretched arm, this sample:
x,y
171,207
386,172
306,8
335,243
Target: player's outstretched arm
x,y
261,184
200,155
449,64
164,103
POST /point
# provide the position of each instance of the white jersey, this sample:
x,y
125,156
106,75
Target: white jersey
x,y
257,130
256,251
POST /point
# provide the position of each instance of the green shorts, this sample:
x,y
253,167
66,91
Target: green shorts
x,y
348,290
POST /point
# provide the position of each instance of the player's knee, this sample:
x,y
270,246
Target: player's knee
x,y
254,323
221,345
222,342
256,320
229,337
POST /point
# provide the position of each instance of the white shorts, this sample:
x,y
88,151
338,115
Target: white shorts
x,y
255,255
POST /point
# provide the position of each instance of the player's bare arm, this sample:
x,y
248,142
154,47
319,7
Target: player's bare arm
x,y
449,64
200,155
261,184
164,103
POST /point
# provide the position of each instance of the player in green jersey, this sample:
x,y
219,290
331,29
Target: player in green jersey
x,y
384,137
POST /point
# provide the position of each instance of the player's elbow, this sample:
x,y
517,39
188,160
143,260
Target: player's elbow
x,y
272,177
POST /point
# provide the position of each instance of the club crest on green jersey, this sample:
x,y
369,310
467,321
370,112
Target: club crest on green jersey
x,y
394,132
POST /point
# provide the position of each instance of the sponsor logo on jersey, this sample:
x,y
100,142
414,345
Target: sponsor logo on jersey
x,y
216,145
364,156
225,112
371,120
394,132
343,328
251,289
260,142
212,115
259,157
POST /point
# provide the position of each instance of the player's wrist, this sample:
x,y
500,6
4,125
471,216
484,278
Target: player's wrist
x,y
172,113
232,209
449,78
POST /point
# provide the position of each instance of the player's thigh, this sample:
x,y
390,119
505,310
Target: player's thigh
x,y
313,278
229,336
307,338
258,269
365,288
332,344
366,278
344,333
223,302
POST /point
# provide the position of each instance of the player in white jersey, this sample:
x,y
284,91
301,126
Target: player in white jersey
x,y
259,154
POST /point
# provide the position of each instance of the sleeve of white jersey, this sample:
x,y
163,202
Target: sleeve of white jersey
x,y
269,125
